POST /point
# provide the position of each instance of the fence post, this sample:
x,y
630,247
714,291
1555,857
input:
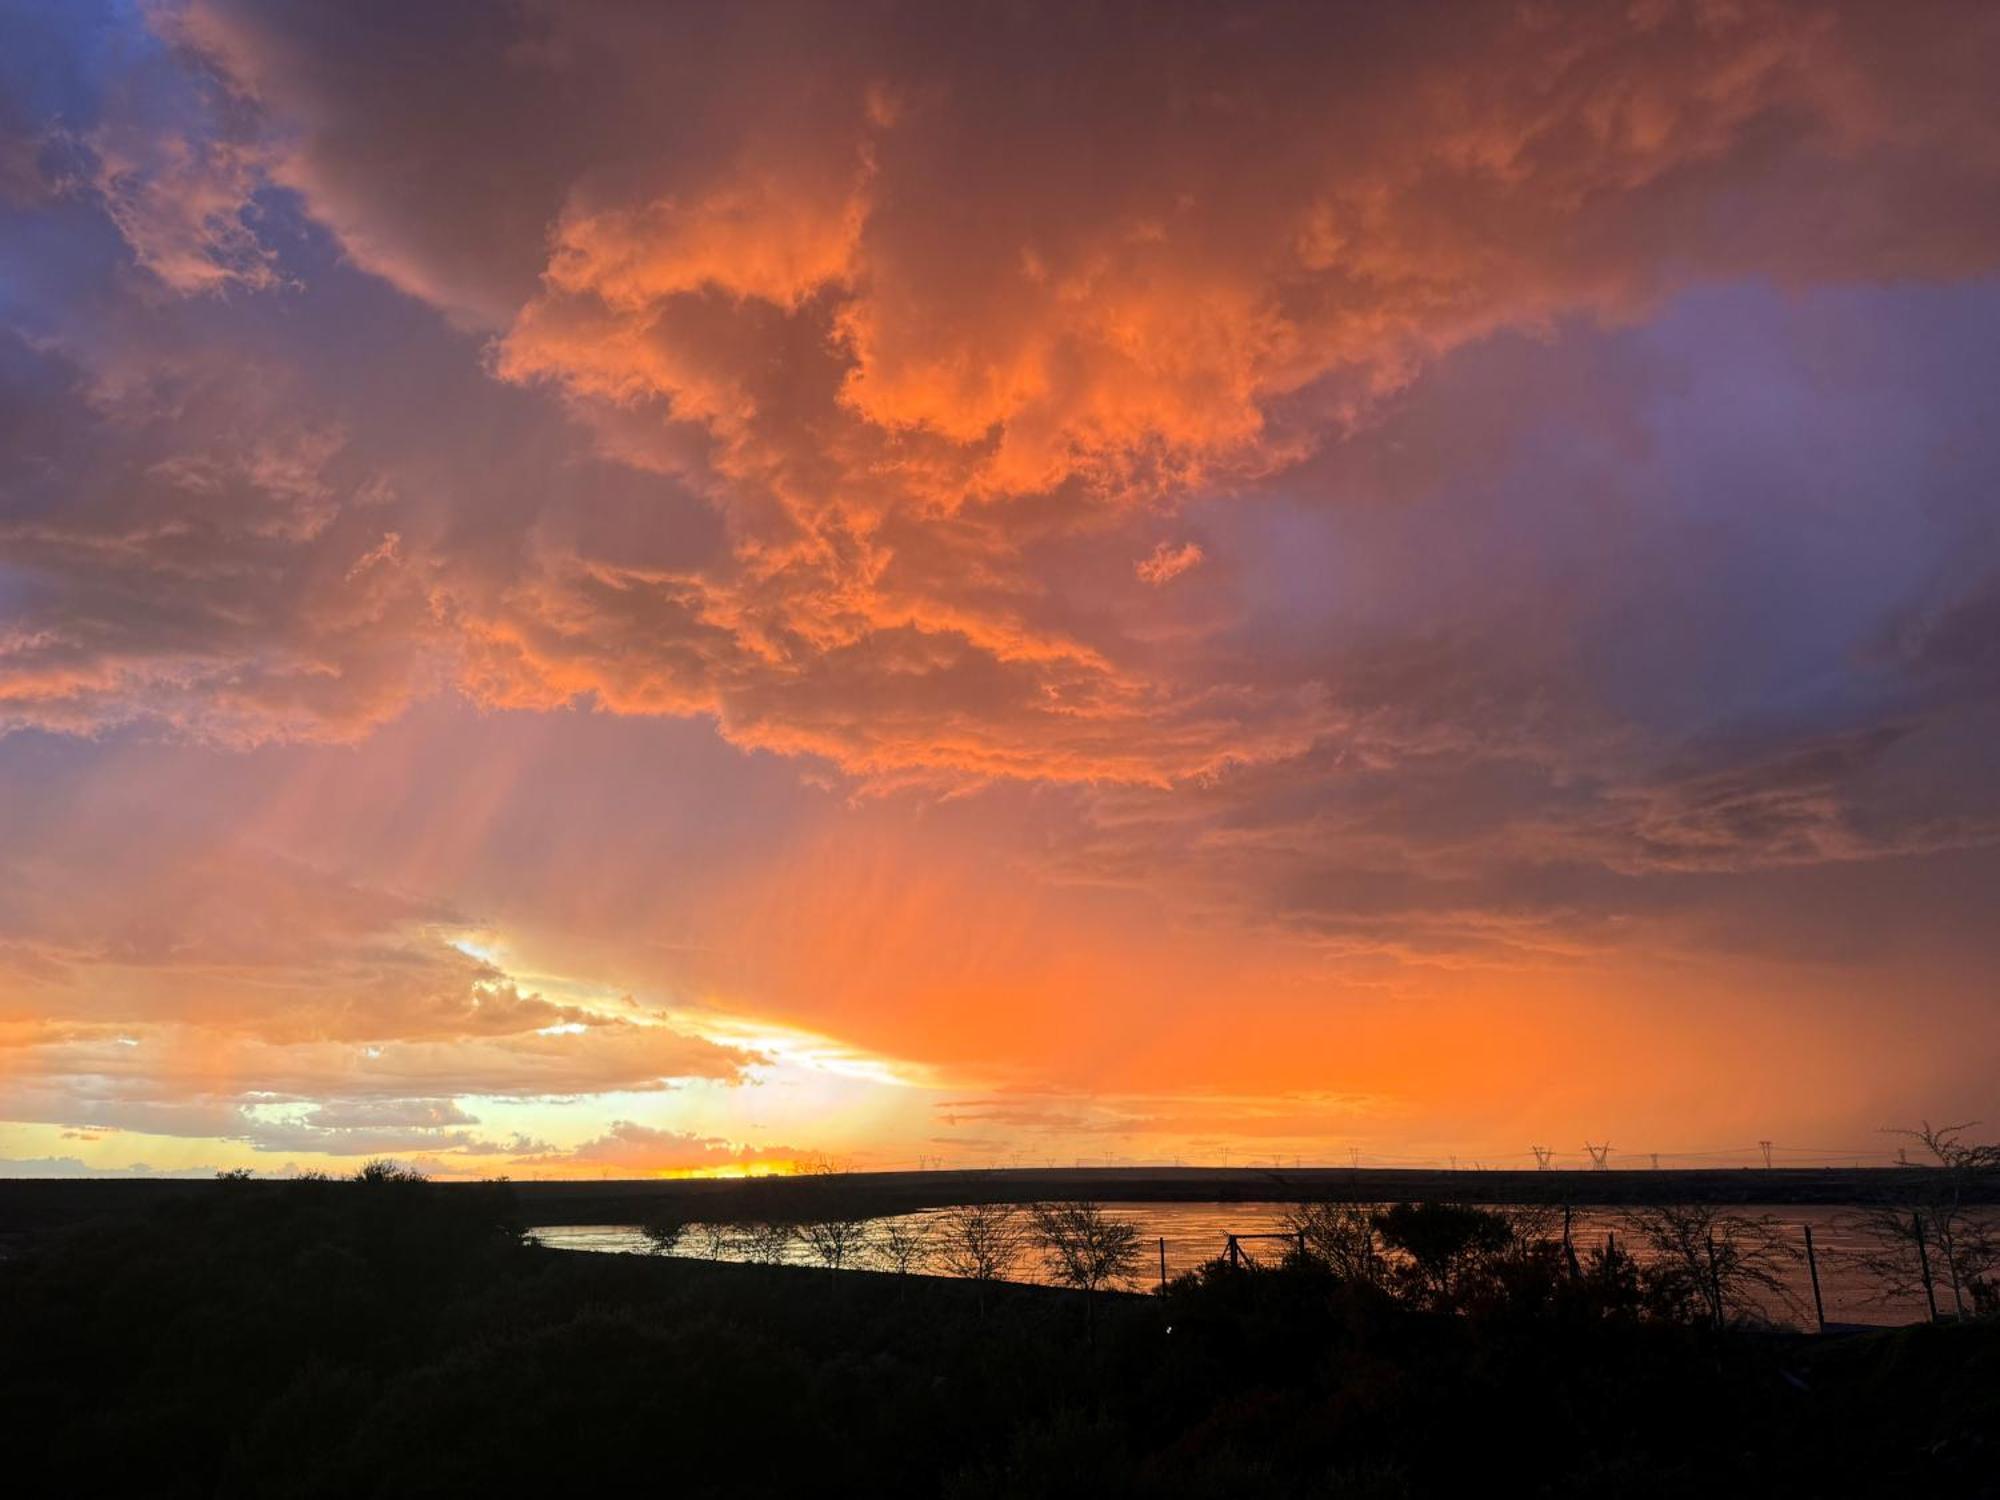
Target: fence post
x,y
1163,1262
1715,1281
1924,1263
1812,1265
1569,1245
1236,1254
1302,1247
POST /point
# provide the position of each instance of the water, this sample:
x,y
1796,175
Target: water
x,y
1198,1232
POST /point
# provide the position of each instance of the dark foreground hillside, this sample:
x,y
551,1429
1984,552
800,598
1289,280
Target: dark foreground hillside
x,y
349,1339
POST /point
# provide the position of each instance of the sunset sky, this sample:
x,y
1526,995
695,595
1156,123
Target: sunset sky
x,y
612,588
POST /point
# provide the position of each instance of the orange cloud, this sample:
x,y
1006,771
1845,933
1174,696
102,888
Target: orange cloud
x,y
950,275
1166,563
640,1150
916,308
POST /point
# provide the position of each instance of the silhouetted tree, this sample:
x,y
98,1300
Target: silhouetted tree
x,y
904,1244
1341,1236
1712,1265
980,1242
713,1239
1941,1213
1438,1244
1533,1225
384,1171
1086,1248
764,1241
833,1229
664,1231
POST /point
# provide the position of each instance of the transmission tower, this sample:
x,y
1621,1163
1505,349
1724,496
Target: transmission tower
x,y
1598,1155
1765,1147
1542,1155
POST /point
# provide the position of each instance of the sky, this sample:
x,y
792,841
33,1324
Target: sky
x,y
609,589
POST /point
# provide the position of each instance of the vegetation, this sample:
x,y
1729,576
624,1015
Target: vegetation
x,y
1714,1266
1439,1246
1085,1248
711,1239
904,1246
980,1242
1341,1237
1938,1229
394,1337
664,1232
833,1228
763,1242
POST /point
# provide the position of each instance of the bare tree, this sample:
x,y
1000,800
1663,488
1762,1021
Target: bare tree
x,y
904,1245
712,1240
832,1227
1534,1224
980,1242
1086,1248
1941,1221
1342,1236
1714,1264
835,1243
663,1232
763,1242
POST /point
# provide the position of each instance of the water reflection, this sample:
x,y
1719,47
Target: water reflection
x,y
1196,1232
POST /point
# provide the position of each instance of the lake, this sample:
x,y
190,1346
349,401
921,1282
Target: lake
x,y
1197,1232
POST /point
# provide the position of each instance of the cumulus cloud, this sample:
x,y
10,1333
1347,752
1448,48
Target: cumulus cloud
x,y
908,361
182,544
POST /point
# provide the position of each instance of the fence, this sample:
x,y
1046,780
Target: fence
x,y
1238,1258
